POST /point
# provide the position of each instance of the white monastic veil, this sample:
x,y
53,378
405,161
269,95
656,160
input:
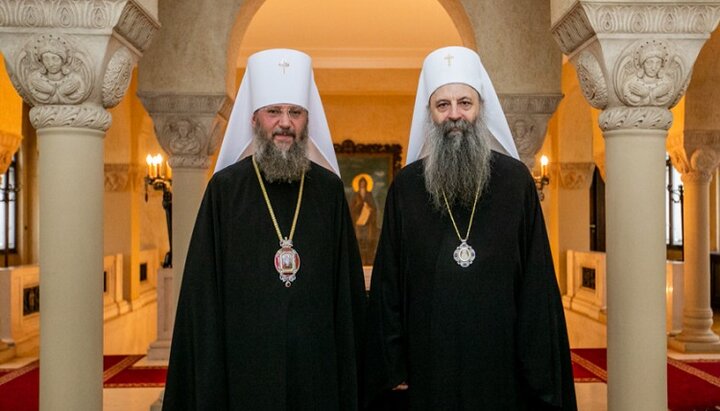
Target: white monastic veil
x,y
277,76
458,65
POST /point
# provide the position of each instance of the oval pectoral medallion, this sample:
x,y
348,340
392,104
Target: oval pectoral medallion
x,y
287,262
464,255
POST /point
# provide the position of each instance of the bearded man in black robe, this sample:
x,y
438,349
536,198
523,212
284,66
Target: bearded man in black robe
x,y
270,310
465,311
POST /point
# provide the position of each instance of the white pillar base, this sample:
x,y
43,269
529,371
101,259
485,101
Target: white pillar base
x,y
7,352
157,405
676,344
159,350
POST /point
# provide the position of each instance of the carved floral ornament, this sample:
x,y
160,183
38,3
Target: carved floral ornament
x,y
117,77
587,19
127,18
592,80
52,69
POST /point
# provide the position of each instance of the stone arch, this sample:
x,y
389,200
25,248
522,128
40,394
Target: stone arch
x,y
246,12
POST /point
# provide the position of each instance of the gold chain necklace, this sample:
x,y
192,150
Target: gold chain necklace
x,y
464,254
287,260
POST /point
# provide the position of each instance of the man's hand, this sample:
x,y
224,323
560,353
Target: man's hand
x,y
401,387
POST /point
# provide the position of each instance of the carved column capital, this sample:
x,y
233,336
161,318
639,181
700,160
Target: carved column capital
x,y
9,144
527,116
575,175
637,56
71,60
189,127
696,154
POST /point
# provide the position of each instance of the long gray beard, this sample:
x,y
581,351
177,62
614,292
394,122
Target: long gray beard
x,y
457,162
281,165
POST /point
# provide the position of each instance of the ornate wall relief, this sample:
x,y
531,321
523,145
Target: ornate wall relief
x,y
52,69
188,127
527,137
592,80
650,73
117,77
183,136
121,177
527,116
576,176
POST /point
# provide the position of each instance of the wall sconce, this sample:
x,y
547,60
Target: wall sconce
x,y
543,179
159,177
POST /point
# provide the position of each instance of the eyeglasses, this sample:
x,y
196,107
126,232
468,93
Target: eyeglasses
x,y
293,112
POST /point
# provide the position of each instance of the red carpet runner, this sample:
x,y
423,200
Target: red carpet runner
x,y
692,385
19,387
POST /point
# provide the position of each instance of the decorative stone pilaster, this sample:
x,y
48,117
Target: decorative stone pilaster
x,y
527,115
575,176
634,62
189,127
70,60
696,155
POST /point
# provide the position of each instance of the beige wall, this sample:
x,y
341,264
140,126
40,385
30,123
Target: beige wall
x,y
130,223
571,132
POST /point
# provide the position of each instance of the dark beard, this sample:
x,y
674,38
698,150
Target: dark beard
x,y
281,165
457,162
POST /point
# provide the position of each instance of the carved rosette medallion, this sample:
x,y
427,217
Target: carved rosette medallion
x,y
592,80
52,69
576,176
117,77
650,73
655,118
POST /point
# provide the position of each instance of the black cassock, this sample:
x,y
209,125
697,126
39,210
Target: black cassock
x,y
491,336
242,340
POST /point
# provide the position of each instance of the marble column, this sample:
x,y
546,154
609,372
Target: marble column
x,y
696,157
634,62
189,128
70,61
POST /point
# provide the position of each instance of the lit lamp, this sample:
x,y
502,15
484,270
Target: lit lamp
x,y
159,177
543,179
